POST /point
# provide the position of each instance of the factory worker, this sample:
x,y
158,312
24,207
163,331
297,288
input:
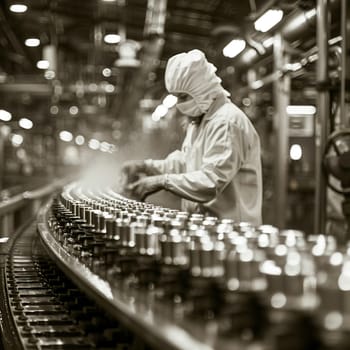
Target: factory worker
x,y
218,169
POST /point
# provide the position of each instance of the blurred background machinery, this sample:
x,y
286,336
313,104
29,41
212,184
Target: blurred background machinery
x,y
83,83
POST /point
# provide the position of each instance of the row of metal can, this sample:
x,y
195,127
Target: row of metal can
x,y
203,258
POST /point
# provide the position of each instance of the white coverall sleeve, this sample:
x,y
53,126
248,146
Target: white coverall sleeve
x,y
174,163
222,158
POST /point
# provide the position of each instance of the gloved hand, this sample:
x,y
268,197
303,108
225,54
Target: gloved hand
x,y
147,186
132,170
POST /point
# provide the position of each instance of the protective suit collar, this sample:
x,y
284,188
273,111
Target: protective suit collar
x,y
217,104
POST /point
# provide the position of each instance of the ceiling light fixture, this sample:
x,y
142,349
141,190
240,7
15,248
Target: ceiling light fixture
x,y
112,38
49,74
295,152
268,20
107,72
32,42
66,136
18,8
73,110
301,110
234,47
94,144
161,111
109,88
155,117
43,64
16,140
54,109
25,123
104,146
5,116
79,140
170,101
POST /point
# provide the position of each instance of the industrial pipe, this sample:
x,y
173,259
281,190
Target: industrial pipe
x,y
296,25
152,48
281,90
345,14
323,113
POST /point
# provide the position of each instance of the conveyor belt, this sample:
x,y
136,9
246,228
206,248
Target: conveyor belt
x,y
42,309
136,276
185,281
158,299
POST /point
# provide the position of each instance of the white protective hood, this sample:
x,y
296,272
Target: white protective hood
x,y
191,73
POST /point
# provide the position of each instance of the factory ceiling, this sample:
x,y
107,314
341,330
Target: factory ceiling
x,y
111,78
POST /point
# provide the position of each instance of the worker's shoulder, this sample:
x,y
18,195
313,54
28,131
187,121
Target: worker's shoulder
x,y
229,113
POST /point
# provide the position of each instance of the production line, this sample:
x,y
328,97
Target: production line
x,y
181,281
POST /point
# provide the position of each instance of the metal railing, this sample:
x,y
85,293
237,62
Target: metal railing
x,y
14,210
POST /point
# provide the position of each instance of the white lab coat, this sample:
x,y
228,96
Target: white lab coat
x,y
219,172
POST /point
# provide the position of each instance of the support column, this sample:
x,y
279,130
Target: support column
x,y
345,70
323,112
281,90
2,160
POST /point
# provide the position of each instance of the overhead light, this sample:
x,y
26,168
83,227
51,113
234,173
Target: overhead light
x,y
112,38
18,8
54,109
5,116
257,84
335,40
94,144
107,72
170,101
16,140
104,146
301,110
293,66
25,123
295,152
66,136
92,87
155,117
43,64
313,58
73,110
49,74
268,20
233,48
128,50
109,88
161,111
32,42
79,140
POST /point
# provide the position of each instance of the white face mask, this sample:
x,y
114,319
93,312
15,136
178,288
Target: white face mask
x,y
189,108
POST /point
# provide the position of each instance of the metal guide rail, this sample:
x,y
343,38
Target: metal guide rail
x,y
47,309
16,207
184,281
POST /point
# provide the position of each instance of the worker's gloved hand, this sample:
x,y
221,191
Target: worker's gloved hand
x,y
132,170
147,186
